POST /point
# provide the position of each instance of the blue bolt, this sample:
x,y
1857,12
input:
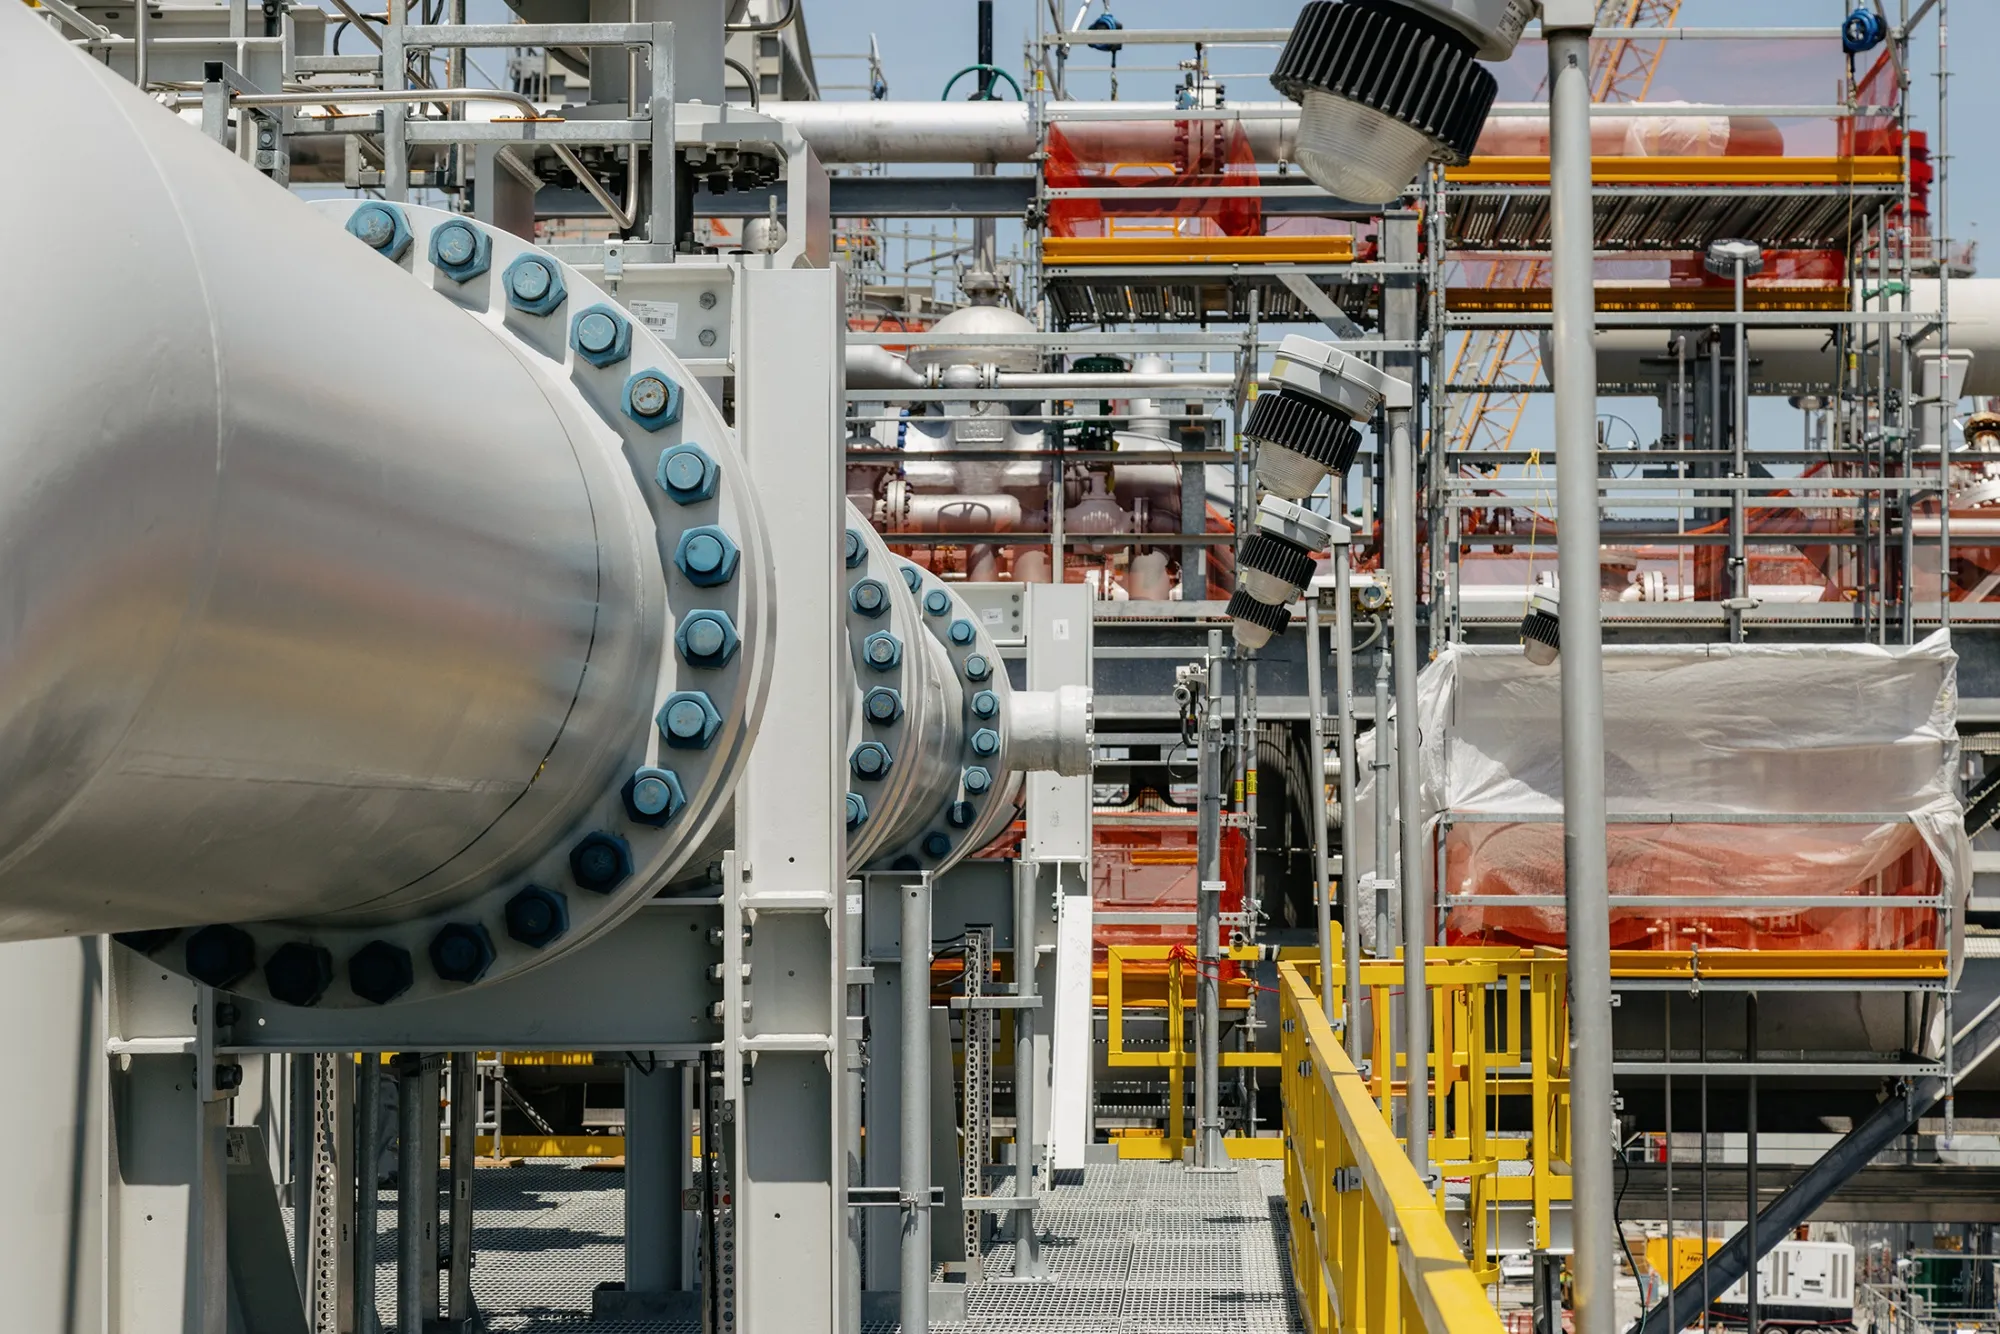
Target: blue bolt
x,y
871,759
596,332
686,473
375,225
883,705
937,602
857,810
985,741
985,704
977,779
707,638
882,651
689,720
962,631
456,243
704,637
976,667
936,844
961,814
530,281
913,577
652,797
853,549
601,862
870,597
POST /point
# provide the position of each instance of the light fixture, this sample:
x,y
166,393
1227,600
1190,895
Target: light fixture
x,y
1723,257
1385,86
1275,566
1541,630
1305,426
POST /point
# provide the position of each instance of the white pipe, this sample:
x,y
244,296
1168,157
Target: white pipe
x,y
879,368
994,132
1805,355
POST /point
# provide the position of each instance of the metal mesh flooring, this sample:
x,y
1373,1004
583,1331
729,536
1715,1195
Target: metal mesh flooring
x,y
1134,1248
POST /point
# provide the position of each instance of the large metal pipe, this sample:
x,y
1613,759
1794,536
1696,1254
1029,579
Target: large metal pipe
x,y
336,611
996,132
1573,371
1799,355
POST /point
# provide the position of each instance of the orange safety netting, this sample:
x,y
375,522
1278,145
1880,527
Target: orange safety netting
x,y
1195,154
1668,861
1136,866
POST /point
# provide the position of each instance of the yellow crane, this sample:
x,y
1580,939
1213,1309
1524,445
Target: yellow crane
x,y
1504,361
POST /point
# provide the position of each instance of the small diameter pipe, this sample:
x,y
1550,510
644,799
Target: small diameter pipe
x,y
1573,371
1384,812
1739,432
915,1101
367,1203
1316,744
464,1130
1343,703
624,215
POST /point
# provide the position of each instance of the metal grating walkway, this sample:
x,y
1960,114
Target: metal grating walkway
x,y
1131,1247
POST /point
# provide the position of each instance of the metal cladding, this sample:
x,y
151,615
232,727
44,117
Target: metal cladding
x,y
1393,59
338,547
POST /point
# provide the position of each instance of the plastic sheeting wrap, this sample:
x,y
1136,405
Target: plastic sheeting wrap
x,y
1747,735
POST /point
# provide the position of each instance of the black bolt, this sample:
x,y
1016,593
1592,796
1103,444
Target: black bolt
x,y
146,941
461,951
537,916
298,974
380,972
228,1076
600,862
220,956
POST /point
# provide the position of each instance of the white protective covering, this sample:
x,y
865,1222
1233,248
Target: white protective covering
x,y
1805,729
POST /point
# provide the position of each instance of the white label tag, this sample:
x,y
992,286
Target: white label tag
x,y
662,317
854,905
991,615
1059,628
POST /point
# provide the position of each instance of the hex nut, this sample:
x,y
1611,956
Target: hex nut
x,y
976,778
600,862
857,810
937,602
882,651
882,705
534,285
461,952
460,251
871,761
653,399
985,704
985,741
688,720
853,549
687,473
380,972
870,597
706,556
963,632
937,844
707,638
537,916
381,227
913,578
976,667
220,956
298,974
653,796
961,814
601,335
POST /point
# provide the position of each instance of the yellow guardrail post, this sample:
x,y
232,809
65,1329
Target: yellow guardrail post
x,y
1370,1248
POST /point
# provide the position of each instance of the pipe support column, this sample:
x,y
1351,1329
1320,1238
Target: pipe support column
x,y
1573,372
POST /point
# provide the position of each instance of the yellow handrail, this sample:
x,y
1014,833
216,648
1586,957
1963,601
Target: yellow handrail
x,y
1369,1244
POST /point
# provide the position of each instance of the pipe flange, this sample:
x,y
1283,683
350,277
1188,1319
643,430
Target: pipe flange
x,y
1393,59
570,856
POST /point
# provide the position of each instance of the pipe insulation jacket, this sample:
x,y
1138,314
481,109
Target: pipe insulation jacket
x,y
341,591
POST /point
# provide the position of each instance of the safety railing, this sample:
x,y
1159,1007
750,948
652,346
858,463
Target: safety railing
x,y
1371,1252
